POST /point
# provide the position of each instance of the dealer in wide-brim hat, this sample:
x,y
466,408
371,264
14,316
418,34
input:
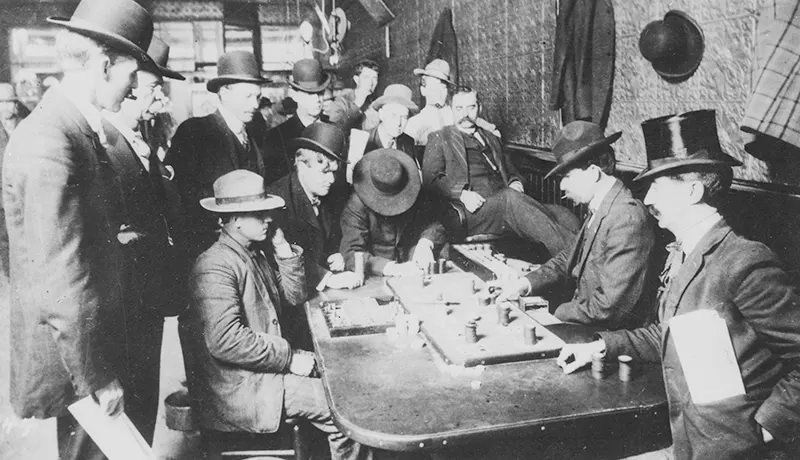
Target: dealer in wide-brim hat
x,y
241,191
577,142
396,94
437,68
236,67
307,76
159,52
387,181
683,142
8,93
674,46
123,25
322,137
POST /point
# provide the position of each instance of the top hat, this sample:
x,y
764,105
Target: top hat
x,y
683,141
396,94
120,24
387,181
8,93
322,137
576,142
307,76
236,67
159,51
437,68
241,191
674,46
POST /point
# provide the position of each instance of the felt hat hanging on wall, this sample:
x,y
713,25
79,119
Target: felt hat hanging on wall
x,y
674,46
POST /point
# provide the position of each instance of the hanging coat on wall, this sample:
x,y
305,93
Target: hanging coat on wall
x,y
583,61
444,44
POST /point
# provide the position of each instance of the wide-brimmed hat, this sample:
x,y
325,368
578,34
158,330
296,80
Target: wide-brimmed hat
x,y
577,142
387,181
241,191
307,76
8,93
236,67
120,24
159,52
396,94
674,46
322,137
437,68
687,141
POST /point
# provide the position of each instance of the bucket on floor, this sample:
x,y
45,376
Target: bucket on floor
x,y
178,411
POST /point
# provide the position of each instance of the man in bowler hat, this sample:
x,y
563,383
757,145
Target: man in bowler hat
x,y
713,269
64,257
204,148
306,86
608,264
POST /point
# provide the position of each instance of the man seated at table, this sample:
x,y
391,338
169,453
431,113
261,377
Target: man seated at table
x,y
609,262
393,108
242,374
383,223
725,278
464,167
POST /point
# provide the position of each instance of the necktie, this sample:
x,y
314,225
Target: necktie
x,y
243,138
393,144
675,257
315,205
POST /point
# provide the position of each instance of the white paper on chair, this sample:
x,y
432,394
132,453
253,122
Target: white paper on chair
x,y
358,144
706,354
116,436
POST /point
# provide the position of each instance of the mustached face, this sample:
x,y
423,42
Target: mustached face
x,y
465,110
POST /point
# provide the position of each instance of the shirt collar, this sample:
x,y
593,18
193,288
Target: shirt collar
x,y
385,140
236,125
90,113
306,120
313,199
605,186
694,233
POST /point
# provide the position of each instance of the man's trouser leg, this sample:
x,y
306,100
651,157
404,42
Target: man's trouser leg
x,y
74,442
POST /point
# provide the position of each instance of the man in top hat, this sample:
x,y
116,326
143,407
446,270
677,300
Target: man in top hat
x,y
609,263
726,286
242,374
383,224
307,84
64,257
352,109
393,108
204,148
465,168
145,213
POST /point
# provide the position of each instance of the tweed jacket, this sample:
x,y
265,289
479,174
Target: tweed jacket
x,y
279,150
63,257
202,150
743,281
319,236
231,335
610,265
444,165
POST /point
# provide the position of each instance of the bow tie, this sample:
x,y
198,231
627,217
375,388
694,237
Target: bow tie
x,y
315,201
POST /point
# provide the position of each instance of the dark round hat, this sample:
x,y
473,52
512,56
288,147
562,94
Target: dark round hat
x,y
307,76
387,181
674,46
578,141
322,137
159,51
236,67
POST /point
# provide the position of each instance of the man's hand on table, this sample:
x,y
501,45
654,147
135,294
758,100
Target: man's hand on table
x,y
576,355
512,288
345,280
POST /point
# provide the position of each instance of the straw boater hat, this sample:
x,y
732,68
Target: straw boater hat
x,y
236,67
241,191
307,76
120,24
674,46
437,68
322,137
387,181
159,51
8,93
684,141
578,141
396,94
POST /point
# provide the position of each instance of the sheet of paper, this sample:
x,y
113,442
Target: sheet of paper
x,y
358,143
117,437
706,354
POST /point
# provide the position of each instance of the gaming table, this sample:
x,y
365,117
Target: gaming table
x,y
395,392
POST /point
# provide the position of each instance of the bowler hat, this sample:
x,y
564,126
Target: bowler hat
x,y
396,94
687,140
120,24
159,51
241,191
387,181
8,93
235,67
576,142
674,46
437,68
322,137
307,76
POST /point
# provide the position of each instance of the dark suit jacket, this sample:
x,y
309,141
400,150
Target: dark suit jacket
x,y
405,143
444,166
278,149
609,263
202,150
318,236
743,281
63,256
